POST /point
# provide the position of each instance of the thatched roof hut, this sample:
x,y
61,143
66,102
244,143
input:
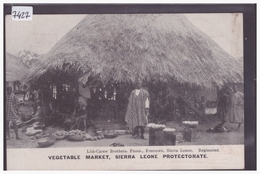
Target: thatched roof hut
x,y
15,69
120,47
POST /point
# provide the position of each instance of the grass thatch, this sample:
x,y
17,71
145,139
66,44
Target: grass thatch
x,y
15,69
120,47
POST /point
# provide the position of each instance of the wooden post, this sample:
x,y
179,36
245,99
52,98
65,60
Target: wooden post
x,y
174,108
199,113
77,93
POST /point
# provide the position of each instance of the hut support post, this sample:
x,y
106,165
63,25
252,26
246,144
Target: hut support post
x,y
199,113
77,94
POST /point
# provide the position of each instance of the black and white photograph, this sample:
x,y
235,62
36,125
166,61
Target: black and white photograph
x,y
123,82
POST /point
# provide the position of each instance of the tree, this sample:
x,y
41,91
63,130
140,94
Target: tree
x,y
28,58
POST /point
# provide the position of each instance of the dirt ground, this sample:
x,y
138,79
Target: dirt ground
x,y
233,137
202,137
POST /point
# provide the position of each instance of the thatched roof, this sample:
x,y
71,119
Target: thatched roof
x,y
120,47
15,69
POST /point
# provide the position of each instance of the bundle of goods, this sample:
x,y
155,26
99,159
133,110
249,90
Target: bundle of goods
x,y
110,134
46,141
220,128
190,124
31,131
169,130
38,125
60,135
157,127
210,111
76,135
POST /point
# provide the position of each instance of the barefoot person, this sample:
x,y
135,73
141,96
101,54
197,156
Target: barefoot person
x,y
11,112
138,110
237,107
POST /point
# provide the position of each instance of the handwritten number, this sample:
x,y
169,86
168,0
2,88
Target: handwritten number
x,y
20,15
14,15
27,15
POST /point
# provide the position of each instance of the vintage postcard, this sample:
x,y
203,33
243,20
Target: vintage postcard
x,y
133,91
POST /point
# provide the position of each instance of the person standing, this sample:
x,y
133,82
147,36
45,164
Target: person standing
x,y
223,105
203,104
182,105
237,107
11,112
138,110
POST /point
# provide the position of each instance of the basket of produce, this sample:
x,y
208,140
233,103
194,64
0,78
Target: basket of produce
x,y
120,132
60,135
42,135
76,135
190,124
46,141
100,132
157,127
98,137
110,134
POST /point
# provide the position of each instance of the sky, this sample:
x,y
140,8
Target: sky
x,y
41,34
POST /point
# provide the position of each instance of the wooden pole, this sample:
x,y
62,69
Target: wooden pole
x,y
199,113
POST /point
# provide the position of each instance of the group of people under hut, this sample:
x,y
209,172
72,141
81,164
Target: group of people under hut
x,y
230,108
231,105
13,115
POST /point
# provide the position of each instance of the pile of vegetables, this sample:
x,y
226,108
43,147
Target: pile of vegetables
x,y
76,135
76,132
94,138
191,124
156,126
59,135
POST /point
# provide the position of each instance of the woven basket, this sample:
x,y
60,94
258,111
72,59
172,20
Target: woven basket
x,y
120,132
76,138
60,137
47,141
110,135
190,124
42,135
159,128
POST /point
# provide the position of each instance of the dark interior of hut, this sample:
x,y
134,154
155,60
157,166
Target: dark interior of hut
x,y
60,102
60,98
